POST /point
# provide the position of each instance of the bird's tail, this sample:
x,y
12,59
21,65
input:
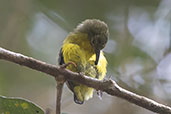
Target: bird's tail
x,y
82,93
76,100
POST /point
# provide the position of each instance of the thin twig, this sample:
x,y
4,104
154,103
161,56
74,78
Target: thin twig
x,y
108,86
59,88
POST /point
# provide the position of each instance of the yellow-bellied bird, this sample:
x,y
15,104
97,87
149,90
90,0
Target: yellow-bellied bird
x,y
84,47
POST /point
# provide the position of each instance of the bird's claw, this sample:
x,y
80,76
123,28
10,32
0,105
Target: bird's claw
x,y
67,64
109,78
100,94
81,73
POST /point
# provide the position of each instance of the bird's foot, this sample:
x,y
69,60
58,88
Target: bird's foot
x,y
109,78
100,94
67,64
81,73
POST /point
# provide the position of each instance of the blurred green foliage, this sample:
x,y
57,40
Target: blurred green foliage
x,y
10,105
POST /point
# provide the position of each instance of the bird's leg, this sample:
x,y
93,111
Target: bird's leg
x,y
80,69
100,93
109,78
72,63
81,73
67,64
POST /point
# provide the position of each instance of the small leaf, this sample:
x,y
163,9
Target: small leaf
x,y
12,105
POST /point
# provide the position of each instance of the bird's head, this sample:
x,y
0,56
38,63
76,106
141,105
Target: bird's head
x,y
98,33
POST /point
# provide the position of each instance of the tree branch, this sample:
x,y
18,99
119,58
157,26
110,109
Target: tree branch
x,y
108,86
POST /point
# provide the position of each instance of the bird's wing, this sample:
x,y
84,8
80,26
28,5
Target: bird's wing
x,y
61,62
71,54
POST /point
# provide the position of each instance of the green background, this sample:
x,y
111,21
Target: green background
x,y
138,51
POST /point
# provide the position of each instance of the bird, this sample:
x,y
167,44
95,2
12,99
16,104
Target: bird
x,y
83,47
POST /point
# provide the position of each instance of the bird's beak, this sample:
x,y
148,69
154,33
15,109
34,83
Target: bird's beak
x,y
97,51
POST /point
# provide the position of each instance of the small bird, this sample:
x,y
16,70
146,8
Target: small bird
x,y
84,47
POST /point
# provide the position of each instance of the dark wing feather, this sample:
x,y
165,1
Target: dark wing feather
x,y
61,58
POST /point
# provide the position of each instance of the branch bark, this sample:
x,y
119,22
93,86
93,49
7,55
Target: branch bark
x,y
59,88
108,86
